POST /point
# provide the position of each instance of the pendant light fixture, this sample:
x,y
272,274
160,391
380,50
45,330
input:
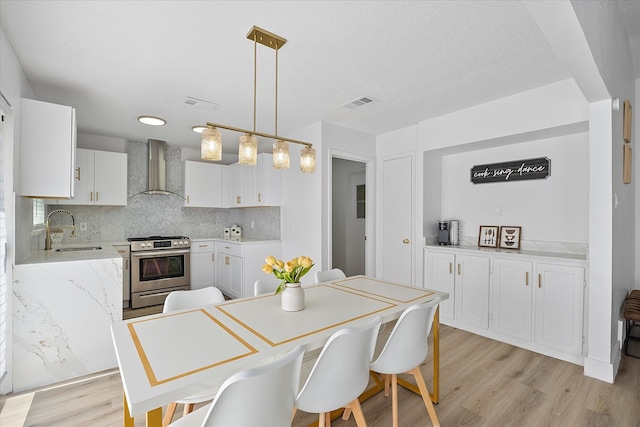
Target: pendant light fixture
x,y
248,145
211,144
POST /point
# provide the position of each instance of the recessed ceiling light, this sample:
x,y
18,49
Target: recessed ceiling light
x,y
152,121
198,129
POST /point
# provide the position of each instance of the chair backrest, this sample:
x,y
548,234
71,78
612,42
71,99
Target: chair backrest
x,y
407,345
265,286
261,396
341,372
181,300
325,276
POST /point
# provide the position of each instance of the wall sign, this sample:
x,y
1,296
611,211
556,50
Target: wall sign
x,y
516,170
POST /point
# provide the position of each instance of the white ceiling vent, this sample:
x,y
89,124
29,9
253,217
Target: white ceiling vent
x,y
359,102
200,103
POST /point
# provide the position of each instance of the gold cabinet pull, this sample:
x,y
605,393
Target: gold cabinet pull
x,y
226,260
78,174
539,280
450,268
458,269
91,196
126,264
187,199
238,200
213,256
97,196
527,279
405,241
259,197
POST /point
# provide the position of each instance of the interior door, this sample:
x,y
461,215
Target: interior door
x,y
397,224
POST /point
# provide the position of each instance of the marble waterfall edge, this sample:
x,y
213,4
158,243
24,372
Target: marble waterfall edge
x,y
62,316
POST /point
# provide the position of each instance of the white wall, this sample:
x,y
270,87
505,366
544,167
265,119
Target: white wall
x,y
552,210
300,213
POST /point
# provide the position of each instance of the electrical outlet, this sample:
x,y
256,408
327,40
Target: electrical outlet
x,y
83,226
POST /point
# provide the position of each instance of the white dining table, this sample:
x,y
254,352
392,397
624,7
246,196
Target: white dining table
x,y
166,357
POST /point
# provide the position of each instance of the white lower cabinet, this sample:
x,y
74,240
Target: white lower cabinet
x,y
559,307
536,302
472,290
239,265
125,253
512,297
202,262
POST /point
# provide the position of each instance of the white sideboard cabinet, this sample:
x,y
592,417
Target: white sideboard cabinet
x,y
531,300
48,147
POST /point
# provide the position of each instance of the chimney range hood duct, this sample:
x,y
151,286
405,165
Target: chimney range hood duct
x,y
157,169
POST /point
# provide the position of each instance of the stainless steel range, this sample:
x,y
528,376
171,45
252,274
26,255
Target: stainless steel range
x,y
159,266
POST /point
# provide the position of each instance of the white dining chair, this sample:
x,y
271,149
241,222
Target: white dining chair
x,y
327,275
261,396
181,300
265,285
404,351
341,373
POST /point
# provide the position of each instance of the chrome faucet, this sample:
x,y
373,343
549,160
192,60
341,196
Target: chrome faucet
x,y
47,237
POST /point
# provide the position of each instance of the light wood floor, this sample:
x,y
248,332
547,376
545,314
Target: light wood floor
x,y
483,383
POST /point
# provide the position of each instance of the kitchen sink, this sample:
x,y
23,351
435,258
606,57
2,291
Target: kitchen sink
x,y
79,248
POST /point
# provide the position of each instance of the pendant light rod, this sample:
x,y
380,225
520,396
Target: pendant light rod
x,y
255,75
264,135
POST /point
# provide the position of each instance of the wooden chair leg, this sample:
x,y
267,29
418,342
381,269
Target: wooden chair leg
x,y
346,414
293,414
327,419
322,419
188,408
168,416
386,385
394,399
357,412
417,374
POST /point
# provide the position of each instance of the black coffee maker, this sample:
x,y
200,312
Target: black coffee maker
x,y
444,236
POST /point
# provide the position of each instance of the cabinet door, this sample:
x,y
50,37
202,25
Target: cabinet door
x,y
512,298
472,290
83,176
439,276
125,253
223,272
235,185
203,184
48,147
202,270
267,182
236,276
110,178
559,307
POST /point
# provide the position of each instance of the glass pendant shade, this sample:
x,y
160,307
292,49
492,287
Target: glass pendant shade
x,y
211,144
308,159
248,150
281,159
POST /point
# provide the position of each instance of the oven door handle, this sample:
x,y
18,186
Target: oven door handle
x,y
146,254
157,294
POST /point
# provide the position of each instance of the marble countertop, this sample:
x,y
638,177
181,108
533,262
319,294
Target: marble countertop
x,y
244,240
42,256
477,249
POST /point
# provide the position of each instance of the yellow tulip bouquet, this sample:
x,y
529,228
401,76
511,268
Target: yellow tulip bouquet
x,y
288,272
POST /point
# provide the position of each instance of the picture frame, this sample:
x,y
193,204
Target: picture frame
x,y
510,237
488,236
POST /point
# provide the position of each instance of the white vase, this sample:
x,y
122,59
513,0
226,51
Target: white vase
x,y
293,297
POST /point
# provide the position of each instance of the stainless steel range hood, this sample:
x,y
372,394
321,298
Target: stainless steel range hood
x,y
157,169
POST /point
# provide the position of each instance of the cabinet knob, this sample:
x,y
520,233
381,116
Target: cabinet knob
x,y
405,241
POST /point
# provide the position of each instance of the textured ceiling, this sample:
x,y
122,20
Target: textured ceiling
x,y
116,60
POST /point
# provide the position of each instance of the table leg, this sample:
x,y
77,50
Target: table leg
x,y
154,418
436,356
128,419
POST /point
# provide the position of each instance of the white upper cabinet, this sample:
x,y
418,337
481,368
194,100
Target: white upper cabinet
x,y
259,185
47,149
267,182
101,179
205,184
